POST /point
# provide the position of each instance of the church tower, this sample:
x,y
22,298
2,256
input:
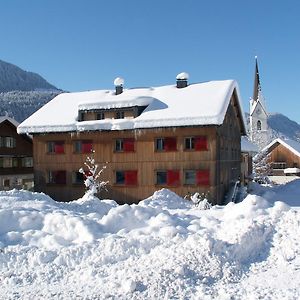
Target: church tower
x,y
259,132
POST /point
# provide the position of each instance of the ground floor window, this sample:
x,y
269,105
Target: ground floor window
x,y
168,177
126,177
57,177
196,177
77,177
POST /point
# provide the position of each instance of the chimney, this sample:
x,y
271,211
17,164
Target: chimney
x,y
182,80
119,82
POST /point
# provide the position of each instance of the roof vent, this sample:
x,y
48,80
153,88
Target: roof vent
x,y
119,82
182,80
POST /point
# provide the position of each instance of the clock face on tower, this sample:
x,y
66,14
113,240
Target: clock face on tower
x,y
258,111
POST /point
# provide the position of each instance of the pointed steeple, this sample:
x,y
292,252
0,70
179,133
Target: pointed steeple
x,y
257,87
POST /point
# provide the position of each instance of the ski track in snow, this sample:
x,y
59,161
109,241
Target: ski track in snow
x,y
162,248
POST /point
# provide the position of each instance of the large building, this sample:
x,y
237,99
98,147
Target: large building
x,y
16,164
185,137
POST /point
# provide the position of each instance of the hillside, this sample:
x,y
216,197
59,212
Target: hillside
x,y
21,92
20,105
282,126
13,78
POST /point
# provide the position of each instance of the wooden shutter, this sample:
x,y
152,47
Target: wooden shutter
x,y
131,177
87,147
173,178
59,147
201,143
170,144
128,145
202,177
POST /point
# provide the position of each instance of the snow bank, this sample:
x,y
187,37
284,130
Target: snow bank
x,y
162,248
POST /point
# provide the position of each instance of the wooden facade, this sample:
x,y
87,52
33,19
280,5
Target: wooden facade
x,y
16,159
217,165
283,156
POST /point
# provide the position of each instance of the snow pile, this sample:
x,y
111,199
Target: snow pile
x,y
162,248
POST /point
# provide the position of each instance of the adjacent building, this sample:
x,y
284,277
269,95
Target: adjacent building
x,y
185,137
16,161
284,157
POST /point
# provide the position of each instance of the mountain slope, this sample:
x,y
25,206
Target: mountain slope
x,y
282,126
20,105
13,78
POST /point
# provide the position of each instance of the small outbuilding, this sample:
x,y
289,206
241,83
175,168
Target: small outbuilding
x,y
284,156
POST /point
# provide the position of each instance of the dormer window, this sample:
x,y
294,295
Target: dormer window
x,y
120,115
100,115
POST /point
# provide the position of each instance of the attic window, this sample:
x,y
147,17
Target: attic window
x,y
100,115
120,115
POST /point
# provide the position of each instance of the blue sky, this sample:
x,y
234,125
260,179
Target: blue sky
x,y
84,44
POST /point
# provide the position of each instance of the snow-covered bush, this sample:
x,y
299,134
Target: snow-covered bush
x,y
200,201
92,175
262,167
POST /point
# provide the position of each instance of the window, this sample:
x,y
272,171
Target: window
x,y
189,143
169,177
27,162
198,143
120,115
166,144
7,142
124,145
56,147
15,162
126,177
190,177
83,146
258,125
196,177
77,178
6,162
100,115
279,165
6,183
57,177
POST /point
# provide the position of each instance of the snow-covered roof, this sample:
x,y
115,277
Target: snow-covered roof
x,y
247,145
291,171
197,104
6,118
289,144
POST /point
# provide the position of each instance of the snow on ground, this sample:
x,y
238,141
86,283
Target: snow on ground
x,y
162,248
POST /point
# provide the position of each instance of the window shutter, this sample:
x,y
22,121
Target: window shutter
x,y
60,177
202,177
59,147
131,177
128,145
170,144
200,143
87,147
173,178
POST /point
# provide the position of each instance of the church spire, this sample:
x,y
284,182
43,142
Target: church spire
x,y
257,87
